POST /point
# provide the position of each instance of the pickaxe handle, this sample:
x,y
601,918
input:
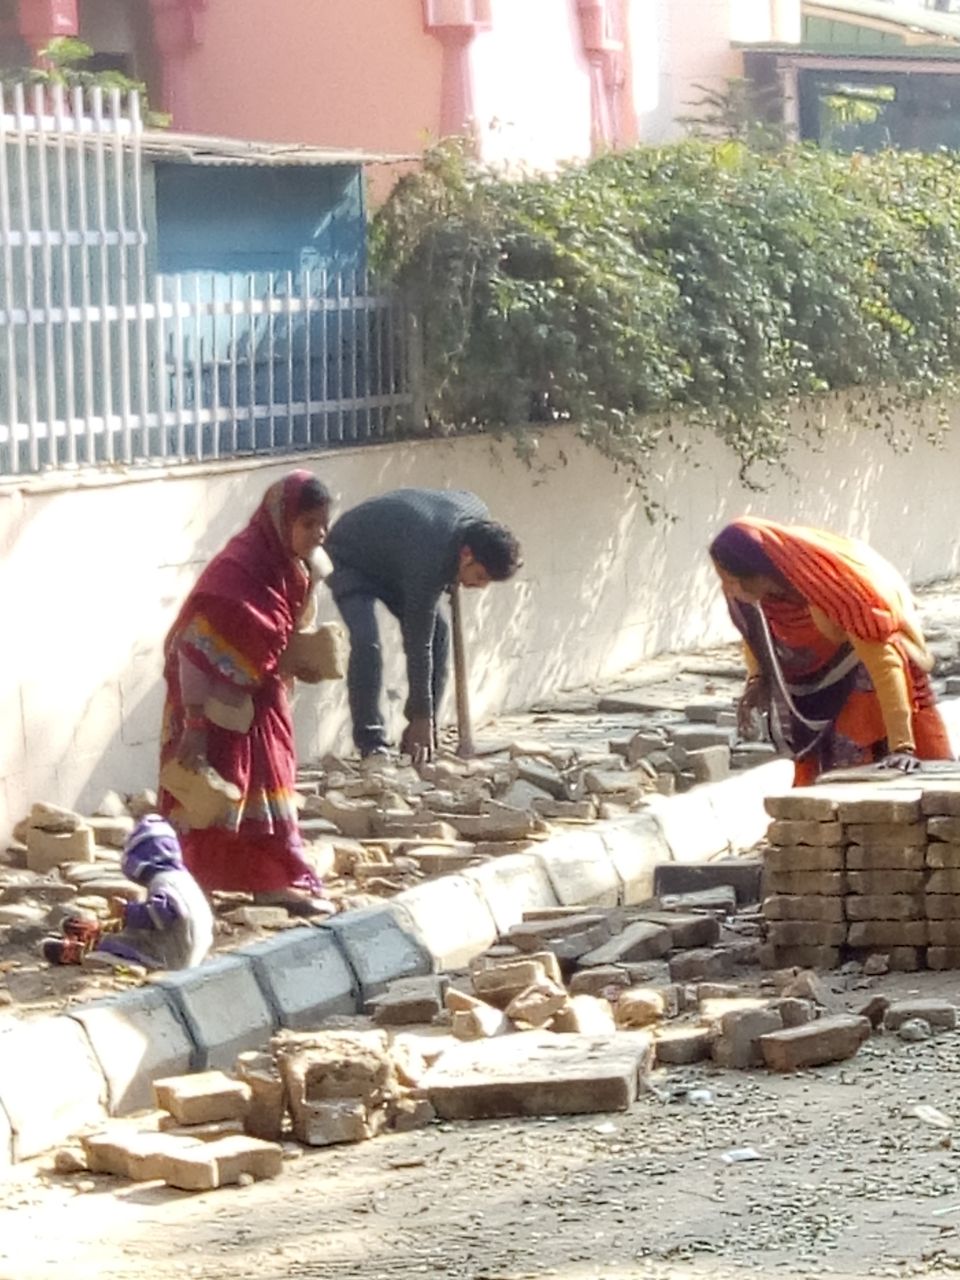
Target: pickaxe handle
x,y
464,723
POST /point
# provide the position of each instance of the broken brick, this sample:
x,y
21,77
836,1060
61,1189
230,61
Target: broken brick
x,y
829,1039
202,1097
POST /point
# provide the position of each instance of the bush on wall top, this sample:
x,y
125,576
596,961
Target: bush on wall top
x,y
698,282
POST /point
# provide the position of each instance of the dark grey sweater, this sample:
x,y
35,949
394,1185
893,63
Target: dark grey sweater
x,y
405,545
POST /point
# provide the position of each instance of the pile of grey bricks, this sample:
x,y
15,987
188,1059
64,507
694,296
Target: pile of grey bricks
x,y
857,870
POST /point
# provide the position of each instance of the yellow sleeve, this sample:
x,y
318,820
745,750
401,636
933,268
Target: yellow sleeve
x,y
887,670
750,658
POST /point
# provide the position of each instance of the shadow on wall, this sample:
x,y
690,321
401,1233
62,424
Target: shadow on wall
x,y
102,569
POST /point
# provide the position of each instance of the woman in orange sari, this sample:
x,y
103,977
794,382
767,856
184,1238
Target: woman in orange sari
x,y
835,654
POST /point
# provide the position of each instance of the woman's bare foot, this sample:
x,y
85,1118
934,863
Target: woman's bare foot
x,y
298,902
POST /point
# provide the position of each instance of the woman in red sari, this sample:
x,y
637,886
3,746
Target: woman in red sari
x,y
227,703
834,650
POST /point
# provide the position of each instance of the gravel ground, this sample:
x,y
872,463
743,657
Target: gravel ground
x,y
849,1181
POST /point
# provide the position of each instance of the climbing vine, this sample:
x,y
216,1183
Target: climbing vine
x,y
664,290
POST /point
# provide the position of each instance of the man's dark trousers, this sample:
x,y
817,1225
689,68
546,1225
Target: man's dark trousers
x,y
355,596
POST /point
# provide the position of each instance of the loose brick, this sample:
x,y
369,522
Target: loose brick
x,y
888,933
876,835
885,906
598,981
942,958
941,799
538,1003
946,880
584,1015
808,957
500,982
807,883
807,933
785,831
737,1040
639,1007
220,1164
867,882
943,933
268,1100
478,1023
568,939
686,929
692,966
680,1046
829,1039
794,907
408,1001
944,828
795,1012
124,1152
942,906
885,857
804,857
335,1121
943,855
200,1098
639,941
938,1013
892,806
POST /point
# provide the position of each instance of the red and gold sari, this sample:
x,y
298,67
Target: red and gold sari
x,y
232,629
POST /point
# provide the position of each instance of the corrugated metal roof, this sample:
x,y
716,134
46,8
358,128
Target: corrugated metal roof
x,y
195,148
906,18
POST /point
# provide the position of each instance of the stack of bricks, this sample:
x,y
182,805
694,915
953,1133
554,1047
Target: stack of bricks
x,y
853,870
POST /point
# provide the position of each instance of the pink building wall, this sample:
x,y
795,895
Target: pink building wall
x,y
343,73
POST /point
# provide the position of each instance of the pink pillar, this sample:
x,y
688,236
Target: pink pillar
x,y
176,30
604,52
41,21
455,23
456,82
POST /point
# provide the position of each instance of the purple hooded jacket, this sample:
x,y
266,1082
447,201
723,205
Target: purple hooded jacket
x,y
173,928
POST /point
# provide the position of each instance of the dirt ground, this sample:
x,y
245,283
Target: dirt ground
x,y
849,1181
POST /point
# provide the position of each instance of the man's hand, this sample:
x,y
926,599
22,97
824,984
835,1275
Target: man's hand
x,y
192,749
902,761
417,740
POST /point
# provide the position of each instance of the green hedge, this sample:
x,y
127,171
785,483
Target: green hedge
x,y
698,283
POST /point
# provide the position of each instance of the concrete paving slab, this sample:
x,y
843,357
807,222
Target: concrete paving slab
x,y
580,869
223,1007
511,885
690,825
636,846
452,918
381,943
537,1074
136,1036
50,1083
305,977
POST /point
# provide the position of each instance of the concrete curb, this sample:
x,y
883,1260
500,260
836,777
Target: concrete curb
x,y
62,1073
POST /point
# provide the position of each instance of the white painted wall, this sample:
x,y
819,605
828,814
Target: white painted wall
x,y
532,85
92,571
680,44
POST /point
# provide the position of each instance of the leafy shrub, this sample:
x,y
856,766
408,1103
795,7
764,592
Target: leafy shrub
x,y
672,288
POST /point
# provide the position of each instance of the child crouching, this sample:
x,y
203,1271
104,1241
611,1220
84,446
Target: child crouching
x,y
173,928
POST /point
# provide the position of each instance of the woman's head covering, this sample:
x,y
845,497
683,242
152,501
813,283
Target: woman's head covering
x,y
255,588
845,579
